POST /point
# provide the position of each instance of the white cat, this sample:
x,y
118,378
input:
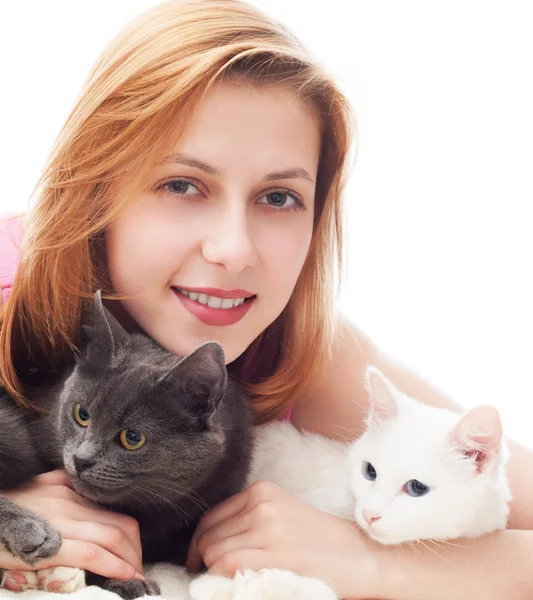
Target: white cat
x,y
418,472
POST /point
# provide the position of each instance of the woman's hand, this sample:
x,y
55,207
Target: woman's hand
x,y
94,539
265,527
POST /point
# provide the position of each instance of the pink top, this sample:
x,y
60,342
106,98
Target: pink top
x,y
10,241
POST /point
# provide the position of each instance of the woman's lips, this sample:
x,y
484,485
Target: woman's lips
x,y
215,316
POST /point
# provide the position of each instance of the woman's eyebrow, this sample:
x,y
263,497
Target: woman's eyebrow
x,y
296,173
185,159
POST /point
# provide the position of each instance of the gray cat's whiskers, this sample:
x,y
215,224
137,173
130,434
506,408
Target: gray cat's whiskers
x,y
200,502
142,503
149,493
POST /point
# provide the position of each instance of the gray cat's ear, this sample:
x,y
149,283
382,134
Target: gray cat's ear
x,y
380,396
203,377
103,333
479,435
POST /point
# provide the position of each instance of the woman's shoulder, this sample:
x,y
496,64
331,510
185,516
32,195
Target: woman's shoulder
x,y
11,232
337,405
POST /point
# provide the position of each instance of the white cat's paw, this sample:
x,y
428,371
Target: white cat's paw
x,y
62,580
212,587
267,584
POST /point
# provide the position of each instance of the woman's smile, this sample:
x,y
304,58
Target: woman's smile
x,y
219,309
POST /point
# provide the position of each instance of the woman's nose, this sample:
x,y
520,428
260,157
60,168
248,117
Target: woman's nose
x,y
229,241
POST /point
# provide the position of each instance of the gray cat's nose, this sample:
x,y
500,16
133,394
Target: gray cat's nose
x,y
82,463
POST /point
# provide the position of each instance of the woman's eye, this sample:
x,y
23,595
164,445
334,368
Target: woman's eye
x,y
132,440
81,415
280,200
416,489
181,187
369,472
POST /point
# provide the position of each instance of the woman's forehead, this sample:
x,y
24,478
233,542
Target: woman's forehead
x,y
262,128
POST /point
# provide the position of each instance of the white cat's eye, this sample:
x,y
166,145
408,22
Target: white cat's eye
x,y
369,472
416,488
81,416
132,440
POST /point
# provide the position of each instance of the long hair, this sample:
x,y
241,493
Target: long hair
x,y
155,72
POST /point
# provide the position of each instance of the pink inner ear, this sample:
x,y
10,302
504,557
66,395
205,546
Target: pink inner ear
x,y
479,434
380,394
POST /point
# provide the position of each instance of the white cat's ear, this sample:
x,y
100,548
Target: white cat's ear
x,y
381,397
479,434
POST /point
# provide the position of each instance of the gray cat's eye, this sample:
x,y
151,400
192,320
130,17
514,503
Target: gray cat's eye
x,y
369,472
132,440
81,415
416,489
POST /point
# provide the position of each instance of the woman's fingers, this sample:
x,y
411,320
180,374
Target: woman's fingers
x,y
39,494
216,550
225,510
91,557
236,525
236,511
53,478
74,516
120,532
80,554
110,537
228,564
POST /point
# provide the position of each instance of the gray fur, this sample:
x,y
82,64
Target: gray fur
x,y
197,424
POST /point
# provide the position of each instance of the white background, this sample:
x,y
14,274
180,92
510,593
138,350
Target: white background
x,y
439,202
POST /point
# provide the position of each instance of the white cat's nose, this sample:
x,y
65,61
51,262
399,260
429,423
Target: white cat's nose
x,y
370,517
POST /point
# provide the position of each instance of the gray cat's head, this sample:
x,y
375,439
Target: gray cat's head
x,y
138,423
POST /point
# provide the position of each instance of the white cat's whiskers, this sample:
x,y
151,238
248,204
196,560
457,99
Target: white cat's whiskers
x,y
345,438
444,543
351,433
435,552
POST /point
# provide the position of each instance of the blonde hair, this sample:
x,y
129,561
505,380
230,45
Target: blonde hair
x,y
156,72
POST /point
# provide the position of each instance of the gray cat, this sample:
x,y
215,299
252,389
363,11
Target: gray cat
x,y
139,431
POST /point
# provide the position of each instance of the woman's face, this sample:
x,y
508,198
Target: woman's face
x,y
213,247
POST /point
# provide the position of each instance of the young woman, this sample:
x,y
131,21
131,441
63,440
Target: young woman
x,y
198,181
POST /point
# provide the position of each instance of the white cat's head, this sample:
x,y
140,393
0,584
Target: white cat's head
x,y
421,472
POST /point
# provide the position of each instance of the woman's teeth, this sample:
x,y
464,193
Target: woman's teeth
x,y
212,301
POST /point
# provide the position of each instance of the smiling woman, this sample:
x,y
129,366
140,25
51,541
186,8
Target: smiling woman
x,y
198,181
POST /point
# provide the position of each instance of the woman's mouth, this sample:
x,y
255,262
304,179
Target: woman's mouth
x,y
226,308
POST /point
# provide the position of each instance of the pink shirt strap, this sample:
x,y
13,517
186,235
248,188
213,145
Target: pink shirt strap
x,y
287,416
10,241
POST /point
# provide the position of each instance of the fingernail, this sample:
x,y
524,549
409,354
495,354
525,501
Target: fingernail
x,y
139,576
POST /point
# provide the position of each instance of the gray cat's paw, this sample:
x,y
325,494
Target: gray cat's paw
x,y
29,537
132,588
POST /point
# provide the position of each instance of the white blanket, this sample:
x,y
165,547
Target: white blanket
x,y
177,584
174,582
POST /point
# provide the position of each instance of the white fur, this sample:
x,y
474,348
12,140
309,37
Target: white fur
x,y
267,584
308,466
